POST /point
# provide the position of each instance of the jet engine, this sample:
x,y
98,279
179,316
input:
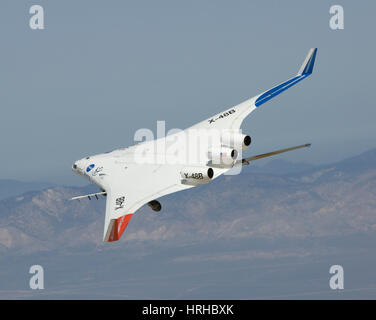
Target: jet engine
x,y
196,175
236,140
222,156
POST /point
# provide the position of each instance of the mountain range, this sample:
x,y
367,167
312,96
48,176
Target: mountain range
x,y
263,214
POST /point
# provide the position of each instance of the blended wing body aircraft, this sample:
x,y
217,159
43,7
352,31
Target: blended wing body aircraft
x,y
132,177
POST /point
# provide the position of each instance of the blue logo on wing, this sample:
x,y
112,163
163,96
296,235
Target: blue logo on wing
x,y
88,169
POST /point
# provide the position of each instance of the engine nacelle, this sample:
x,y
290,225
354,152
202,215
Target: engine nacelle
x,y
196,175
236,140
222,157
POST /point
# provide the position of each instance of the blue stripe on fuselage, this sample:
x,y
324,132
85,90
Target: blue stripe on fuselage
x,y
279,89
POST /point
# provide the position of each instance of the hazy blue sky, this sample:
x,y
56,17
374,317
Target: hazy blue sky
x,y
103,69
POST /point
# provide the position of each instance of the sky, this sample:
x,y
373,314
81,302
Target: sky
x,y
100,70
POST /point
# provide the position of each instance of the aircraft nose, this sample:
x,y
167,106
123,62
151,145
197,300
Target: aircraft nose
x,y
77,167
74,167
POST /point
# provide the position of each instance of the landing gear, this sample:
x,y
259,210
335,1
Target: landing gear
x,y
155,205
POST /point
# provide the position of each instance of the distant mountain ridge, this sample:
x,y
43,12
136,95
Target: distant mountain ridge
x,y
281,167
335,199
10,188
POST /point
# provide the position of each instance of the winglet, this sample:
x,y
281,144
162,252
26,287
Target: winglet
x,y
304,71
307,66
116,228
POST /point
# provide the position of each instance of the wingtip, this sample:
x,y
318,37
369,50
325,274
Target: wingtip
x,y
309,62
116,228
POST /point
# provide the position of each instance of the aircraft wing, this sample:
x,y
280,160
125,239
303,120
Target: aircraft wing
x,y
130,187
233,117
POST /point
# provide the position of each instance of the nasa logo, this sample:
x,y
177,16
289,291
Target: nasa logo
x,y
88,169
